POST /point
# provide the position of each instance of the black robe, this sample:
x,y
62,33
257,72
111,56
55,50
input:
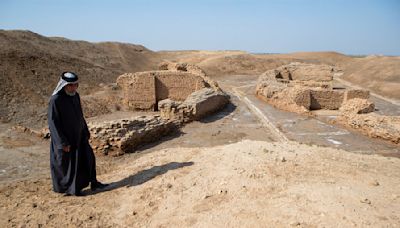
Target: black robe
x,y
70,171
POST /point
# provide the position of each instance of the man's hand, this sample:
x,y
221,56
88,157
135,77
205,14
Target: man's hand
x,y
66,148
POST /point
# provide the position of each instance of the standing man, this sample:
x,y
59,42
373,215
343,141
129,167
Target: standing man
x,y
72,161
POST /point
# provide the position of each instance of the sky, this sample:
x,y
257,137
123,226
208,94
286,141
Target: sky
x,y
355,27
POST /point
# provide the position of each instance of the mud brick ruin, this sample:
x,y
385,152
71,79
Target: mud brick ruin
x,y
143,90
180,92
302,88
126,135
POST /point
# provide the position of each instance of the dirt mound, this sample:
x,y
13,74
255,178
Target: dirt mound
x,y
380,74
328,58
239,64
30,66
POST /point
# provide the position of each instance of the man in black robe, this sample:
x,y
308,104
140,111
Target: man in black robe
x,y
72,161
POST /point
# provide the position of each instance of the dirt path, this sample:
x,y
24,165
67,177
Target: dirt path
x,y
309,130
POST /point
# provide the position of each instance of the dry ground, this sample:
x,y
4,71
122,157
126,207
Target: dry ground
x,y
225,171
245,184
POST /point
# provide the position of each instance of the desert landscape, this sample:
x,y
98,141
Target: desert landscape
x,y
204,138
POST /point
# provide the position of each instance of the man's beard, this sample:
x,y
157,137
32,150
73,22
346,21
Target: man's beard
x,y
70,94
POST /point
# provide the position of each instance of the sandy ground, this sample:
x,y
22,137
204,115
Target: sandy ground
x,y
245,184
224,171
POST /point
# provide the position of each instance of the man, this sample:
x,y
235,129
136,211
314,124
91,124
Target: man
x,y
72,160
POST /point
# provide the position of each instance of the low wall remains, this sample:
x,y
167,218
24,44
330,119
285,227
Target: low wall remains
x,y
304,87
322,99
177,85
126,135
181,92
139,91
196,106
143,90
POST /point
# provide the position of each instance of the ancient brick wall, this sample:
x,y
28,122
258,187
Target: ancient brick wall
x,y
139,90
301,97
325,99
143,90
356,93
176,85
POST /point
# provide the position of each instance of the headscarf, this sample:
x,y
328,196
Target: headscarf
x,y
65,79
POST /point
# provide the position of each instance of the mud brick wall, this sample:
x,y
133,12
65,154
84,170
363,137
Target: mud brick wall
x,y
139,90
176,85
126,135
143,90
322,99
356,93
196,106
301,97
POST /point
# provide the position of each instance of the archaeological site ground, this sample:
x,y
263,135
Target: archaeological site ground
x,y
204,138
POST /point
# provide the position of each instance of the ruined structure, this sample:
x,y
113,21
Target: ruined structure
x,y
358,114
196,106
180,92
126,135
302,87
143,90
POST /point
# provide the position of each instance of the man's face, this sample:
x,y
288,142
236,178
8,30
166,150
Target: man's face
x,y
71,88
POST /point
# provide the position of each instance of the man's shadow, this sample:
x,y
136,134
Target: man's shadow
x,y
141,177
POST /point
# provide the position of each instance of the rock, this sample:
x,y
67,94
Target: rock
x,y
357,106
367,201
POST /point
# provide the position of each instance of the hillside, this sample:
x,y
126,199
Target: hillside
x,y
380,74
30,66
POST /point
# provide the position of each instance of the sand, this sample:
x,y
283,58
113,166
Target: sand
x,y
245,184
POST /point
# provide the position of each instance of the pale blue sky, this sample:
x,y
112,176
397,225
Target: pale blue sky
x,y
346,26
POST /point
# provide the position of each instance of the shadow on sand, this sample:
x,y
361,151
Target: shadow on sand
x,y
141,177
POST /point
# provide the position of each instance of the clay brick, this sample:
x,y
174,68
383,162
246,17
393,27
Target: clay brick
x,y
356,93
323,99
